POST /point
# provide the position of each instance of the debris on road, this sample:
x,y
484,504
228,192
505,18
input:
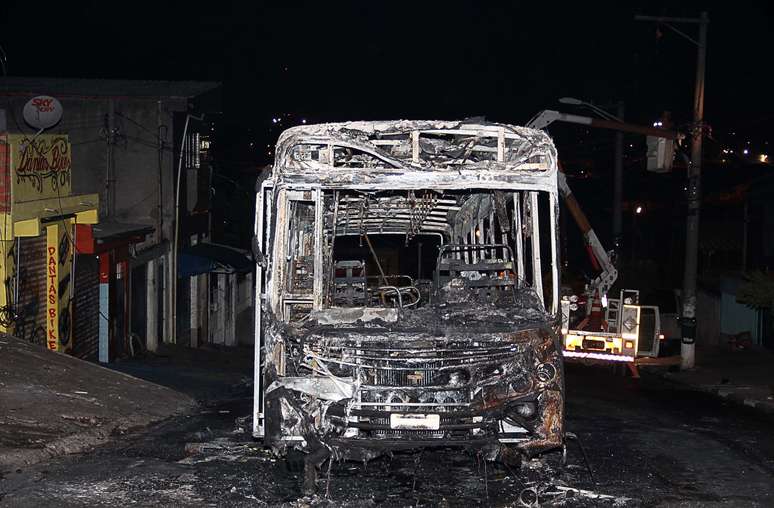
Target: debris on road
x,y
552,494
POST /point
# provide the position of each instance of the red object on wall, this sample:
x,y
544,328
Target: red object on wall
x,y
104,268
84,239
86,243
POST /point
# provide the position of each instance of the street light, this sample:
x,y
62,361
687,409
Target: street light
x,y
618,168
601,112
571,100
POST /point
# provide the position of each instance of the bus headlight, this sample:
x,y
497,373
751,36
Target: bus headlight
x,y
546,372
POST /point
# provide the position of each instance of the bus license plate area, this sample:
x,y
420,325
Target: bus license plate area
x,y
415,421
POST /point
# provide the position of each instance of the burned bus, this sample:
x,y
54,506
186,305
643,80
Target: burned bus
x,y
407,289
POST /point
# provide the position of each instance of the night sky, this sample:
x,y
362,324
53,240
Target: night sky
x,y
369,60
332,61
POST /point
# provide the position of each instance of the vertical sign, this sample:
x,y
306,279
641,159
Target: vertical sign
x,y
59,256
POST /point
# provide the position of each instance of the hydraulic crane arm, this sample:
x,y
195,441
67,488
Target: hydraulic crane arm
x,y
618,346
599,256
548,116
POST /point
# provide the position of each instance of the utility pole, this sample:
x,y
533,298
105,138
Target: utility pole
x,y
688,321
110,170
618,183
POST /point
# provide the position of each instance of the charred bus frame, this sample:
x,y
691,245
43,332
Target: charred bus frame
x,y
347,365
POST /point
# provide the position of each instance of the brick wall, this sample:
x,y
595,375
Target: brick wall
x,y
86,307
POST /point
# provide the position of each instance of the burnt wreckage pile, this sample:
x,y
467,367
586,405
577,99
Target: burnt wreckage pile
x,y
409,298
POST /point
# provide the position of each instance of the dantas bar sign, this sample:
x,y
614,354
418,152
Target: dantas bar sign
x,y
59,260
41,166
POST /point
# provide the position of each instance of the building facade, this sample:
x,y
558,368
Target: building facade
x,y
39,216
136,193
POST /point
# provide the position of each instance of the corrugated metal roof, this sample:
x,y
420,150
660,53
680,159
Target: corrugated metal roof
x,y
109,230
104,87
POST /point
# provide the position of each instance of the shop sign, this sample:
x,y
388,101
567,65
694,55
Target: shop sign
x,y
59,285
41,166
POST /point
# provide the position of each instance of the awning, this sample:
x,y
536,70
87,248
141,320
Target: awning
x,y
109,235
211,257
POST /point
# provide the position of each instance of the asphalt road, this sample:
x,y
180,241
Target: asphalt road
x,y
646,444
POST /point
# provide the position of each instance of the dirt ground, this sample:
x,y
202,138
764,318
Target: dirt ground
x,y
53,404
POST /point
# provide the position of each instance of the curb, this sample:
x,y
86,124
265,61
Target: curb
x,y
726,393
79,442
763,406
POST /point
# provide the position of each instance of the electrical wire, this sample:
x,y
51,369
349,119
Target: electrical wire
x,y
8,315
7,311
138,124
159,145
88,141
141,200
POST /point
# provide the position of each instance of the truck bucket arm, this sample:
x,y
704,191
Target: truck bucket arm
x,y
599,257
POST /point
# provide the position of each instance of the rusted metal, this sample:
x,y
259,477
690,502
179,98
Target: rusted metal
x,y
550,431
472,361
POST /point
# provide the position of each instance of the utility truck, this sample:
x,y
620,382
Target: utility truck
x,y
596,326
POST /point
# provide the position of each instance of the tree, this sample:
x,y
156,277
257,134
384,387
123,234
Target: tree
x,y
757,290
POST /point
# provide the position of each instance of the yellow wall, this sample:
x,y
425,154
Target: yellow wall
x,y
7,275
38,172
40,168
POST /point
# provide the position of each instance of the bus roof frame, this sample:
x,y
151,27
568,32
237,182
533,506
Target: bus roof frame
x,y
523,158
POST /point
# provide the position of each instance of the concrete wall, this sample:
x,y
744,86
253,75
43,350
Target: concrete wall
x,y
245,320
737,318
720,316
135,153
708,318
